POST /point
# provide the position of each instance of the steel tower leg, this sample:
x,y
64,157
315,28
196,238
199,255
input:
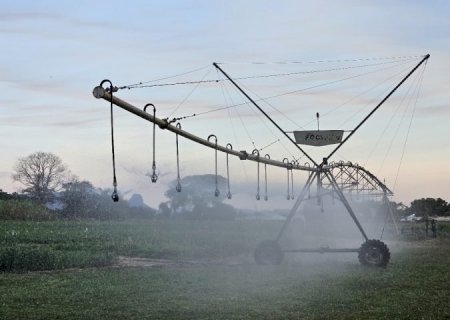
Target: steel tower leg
x,y
346,203
297,203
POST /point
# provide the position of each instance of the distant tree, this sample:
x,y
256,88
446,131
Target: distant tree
x,y
136,201
107,209
4,195
42,174
80,199
164,210
197,198
222,211
400,210
10,196
427,207
138,208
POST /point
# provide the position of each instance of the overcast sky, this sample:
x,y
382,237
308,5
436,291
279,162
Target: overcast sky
x,y
53,53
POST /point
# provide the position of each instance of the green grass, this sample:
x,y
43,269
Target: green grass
x,y
414,286
15,209
52,245
443,228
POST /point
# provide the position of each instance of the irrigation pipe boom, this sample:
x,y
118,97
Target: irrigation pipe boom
x,y
102,93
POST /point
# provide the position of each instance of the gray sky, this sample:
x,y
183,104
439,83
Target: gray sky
x,y
55,52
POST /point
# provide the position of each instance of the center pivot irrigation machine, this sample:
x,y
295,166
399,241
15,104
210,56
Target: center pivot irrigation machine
x,y
338,179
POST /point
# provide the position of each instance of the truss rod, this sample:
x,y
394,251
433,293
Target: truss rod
x,y
370,174
297,203
341,195
101,93
264,113
378,105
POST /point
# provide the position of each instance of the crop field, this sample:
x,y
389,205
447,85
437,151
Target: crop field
x,y
31,246
169,269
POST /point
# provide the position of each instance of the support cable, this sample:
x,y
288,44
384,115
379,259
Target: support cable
x,y
139,84
377,98
290,92
268,127
323,61
378,105
144,84
409,126
269,145
397,130
273,107
229,100
238,114
189,94
263,112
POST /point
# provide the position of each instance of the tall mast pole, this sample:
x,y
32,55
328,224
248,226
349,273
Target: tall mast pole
x,y
379,105
264,113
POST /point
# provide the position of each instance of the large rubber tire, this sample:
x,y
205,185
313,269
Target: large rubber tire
x,y
374,253
268,253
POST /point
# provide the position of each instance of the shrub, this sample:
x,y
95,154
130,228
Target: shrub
x,y
15,209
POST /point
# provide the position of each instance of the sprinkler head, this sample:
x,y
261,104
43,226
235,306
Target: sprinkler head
x,y
229,195
217,192
154,177
115,196
178,187
258,197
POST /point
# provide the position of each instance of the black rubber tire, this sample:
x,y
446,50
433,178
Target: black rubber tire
x,y
374,253
268,253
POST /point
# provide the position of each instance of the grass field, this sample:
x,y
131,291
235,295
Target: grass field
x,y
415,285
31,246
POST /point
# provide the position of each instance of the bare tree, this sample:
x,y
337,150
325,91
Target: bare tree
x,y
42,173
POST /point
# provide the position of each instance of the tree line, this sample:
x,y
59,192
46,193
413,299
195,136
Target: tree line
x,y
48,183
51,191
425,208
